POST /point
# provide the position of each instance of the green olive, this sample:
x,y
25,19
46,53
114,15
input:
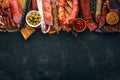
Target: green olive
x,y
37,22
34,23
29,21
31,18
28,17
34,18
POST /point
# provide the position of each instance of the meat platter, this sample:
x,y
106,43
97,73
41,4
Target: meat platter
x,y
10,14
108,9
55,15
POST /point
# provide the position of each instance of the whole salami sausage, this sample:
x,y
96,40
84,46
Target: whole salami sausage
x,y
67,20
34,5
47,8
15,11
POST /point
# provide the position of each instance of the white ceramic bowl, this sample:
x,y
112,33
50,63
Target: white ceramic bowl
x,y
28,22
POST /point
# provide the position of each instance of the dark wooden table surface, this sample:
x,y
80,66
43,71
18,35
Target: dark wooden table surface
x,y
90,56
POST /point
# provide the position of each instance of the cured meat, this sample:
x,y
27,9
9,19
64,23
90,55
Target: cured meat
x,y
91,25
34,4
98,10
74,13
12,23
15,11
62,15
8,23
87,14
63,19
70,3
7,8
86,11
47,8
1,20
5,21
104,12
55,16
66,13
68,9
106,6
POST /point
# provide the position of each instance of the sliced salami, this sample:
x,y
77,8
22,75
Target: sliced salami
x,y
15,11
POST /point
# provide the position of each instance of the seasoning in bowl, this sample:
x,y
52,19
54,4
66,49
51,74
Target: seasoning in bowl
x,y
79,25
112,18
33,18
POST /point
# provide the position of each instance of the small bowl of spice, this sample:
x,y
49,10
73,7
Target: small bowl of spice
x,y
33,18
79,25
112,18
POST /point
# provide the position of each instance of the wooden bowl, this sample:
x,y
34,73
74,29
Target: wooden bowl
x,y
79,25
112,18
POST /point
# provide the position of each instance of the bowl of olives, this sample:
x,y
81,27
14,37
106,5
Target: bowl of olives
x,y
33,18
